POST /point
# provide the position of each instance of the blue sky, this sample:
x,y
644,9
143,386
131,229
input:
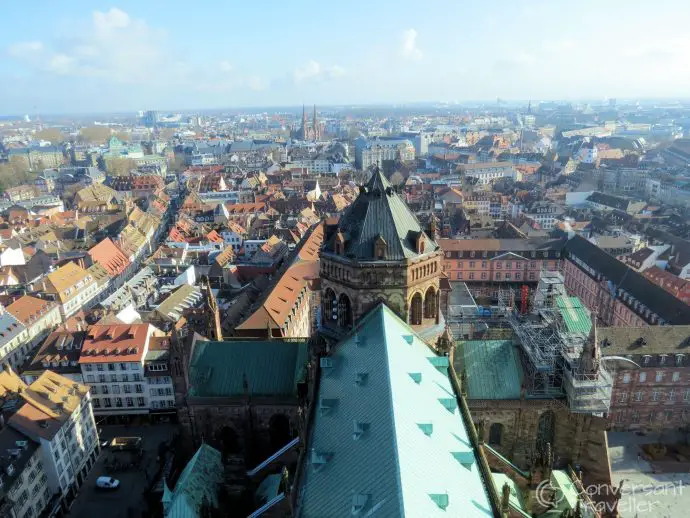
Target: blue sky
x,y
88,56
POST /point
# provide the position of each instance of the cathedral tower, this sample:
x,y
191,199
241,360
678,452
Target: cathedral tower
x,y
379,252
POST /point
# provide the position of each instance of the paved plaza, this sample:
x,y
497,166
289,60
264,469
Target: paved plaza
x,y
647,492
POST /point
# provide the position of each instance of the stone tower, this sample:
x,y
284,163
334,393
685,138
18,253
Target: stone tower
x,y
379,252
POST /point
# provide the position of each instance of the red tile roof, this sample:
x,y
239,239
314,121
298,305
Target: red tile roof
x,y
109,256
29,309
115,343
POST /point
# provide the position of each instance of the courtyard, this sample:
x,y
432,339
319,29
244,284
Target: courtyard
x,y
128,501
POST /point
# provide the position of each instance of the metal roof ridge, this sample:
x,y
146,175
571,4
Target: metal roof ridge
x,y
381,310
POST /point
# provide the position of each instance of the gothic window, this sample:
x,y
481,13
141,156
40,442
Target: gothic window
x,y
416,310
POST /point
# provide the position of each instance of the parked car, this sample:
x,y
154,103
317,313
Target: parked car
x,y
107,483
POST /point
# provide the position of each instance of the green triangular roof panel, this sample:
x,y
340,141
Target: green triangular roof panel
x,y
377,212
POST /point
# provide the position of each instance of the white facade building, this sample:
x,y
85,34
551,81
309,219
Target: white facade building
x,y
57,415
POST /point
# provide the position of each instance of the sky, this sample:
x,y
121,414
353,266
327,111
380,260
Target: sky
x,y
84,56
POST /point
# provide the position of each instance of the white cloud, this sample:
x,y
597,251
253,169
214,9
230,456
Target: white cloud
x,y
61,64
313,70
112,46
25,49
409,49
225,66
113,19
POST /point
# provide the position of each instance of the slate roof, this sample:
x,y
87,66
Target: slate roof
x,y
388,438
379,211
10,327
622,277
270,367
198,482
492,368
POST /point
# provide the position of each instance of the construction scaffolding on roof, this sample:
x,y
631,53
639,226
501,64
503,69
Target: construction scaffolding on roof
x,y
558,358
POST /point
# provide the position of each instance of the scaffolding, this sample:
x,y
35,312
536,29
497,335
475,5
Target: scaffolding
x,y
552,356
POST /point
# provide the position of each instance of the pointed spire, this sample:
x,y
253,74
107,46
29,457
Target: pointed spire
x,y
591,352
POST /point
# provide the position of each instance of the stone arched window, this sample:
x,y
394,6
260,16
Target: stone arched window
x,y
416,309
430,303
344,311
330,305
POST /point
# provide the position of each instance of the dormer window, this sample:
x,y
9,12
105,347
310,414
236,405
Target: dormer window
x,y
380,248
340,244
419,243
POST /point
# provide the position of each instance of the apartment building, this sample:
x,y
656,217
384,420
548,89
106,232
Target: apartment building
x,y
56,413
39,316
24,488
73,288
112,361
505,261
60,353
616,293
13,340
657,395
372,152
159,377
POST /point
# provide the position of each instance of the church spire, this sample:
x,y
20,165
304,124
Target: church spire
x,y
591,352
315,126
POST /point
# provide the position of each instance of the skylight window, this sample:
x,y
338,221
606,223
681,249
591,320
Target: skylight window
x,y
426,428
360,429
362,378
440,499
359,503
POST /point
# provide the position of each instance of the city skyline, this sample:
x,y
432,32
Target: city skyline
x,y
102,57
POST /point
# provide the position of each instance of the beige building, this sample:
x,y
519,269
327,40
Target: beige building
x,y
56,413
96,198
39,316
73,288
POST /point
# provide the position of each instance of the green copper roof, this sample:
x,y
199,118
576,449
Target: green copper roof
x,y
386,440
270,367
379,211
492,368
561,481
575,315
197,484
515,494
